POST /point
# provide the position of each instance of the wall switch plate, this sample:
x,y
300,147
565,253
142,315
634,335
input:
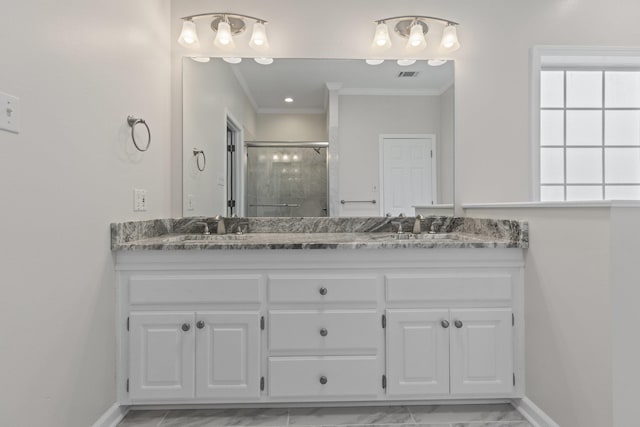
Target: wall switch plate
x,y
190,202
221,180
9,113
139,200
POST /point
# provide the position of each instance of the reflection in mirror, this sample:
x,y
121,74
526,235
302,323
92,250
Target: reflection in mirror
x,y
368,140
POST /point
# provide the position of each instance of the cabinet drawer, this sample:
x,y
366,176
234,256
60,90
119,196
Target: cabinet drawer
x,y
303,376
353,330
445,287
322,289
221,289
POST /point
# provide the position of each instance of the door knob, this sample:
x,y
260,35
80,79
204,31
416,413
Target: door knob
x,y
458,324
200,324
186,327
445,324
323,291
323,332
323,380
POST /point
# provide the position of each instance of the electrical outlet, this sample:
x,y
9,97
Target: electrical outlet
x,y
9,113
190,206
139,200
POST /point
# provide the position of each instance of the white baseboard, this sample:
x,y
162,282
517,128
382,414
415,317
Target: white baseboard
x,y
536,416
112,416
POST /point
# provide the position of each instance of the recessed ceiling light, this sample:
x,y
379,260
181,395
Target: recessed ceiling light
x,y
232,60
264,61
406,62
201,58
288,99
436,62
374,61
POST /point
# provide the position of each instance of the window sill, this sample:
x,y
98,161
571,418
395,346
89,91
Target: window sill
x,y
527,205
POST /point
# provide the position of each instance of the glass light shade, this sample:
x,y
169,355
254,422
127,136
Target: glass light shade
x,y
203,59
264,61
188,36
374,61
450,38
416,38
259,37
232,59
436,62
381,39
405,62
224,39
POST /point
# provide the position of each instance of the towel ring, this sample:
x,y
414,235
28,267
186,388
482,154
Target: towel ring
x,y
133,121
197,153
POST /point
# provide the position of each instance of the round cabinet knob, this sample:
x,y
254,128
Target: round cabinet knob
x,y
445,324
323,380
323,291
458,324
323,332
186,327
200,324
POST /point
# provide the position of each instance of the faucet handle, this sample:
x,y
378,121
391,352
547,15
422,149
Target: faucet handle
x,y
399,224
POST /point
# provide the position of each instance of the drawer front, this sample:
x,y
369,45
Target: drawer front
x,y
332,330
446,287
322,289
223,289
303,377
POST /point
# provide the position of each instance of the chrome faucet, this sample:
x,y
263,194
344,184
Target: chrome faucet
x,y
417,226
399,224
436,225
238,227
220,229
206,227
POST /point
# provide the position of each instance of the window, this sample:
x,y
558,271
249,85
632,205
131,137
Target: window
x,y
589,138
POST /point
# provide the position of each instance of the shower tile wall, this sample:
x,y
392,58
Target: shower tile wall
x,y
291,175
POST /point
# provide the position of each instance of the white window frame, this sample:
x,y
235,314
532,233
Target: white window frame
x,y
566,56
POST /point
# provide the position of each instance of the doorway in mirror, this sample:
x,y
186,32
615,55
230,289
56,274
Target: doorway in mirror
x,y
286,181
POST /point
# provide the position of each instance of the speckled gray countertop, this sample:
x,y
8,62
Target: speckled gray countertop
x,y
319,233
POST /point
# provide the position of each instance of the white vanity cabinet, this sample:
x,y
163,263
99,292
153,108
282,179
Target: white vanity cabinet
x,y
305,326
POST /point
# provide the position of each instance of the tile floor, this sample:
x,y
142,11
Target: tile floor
x,y
498,415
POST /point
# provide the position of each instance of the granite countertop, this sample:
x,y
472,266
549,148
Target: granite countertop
x,y
319,233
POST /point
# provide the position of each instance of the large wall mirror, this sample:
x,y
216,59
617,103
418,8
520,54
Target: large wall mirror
x,y
317,137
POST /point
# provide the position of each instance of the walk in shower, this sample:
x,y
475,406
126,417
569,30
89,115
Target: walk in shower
x,y
287,179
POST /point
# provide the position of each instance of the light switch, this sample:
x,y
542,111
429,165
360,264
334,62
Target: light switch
x,y
9,113
139,200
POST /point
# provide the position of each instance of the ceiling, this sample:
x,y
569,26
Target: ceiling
x,y
305,80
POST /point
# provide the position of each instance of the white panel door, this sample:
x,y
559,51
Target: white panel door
x,y
228,355
407,174
417,352
161,351
481,351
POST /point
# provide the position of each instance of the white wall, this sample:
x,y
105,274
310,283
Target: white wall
x,y
568,312
210,91
79,68
362,119
291,127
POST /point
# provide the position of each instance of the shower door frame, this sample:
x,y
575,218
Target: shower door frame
x,y
282,144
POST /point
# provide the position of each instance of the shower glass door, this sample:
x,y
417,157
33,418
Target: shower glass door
x,y
286,181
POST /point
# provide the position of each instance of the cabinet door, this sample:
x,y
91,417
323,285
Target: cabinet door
x,y
228,355
161,364
481,351
417,352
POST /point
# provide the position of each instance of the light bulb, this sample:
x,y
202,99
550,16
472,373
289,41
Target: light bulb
x,y
188,35
405,62
374,61
203,59
450,38
259,37
288,100
224,39
232,59
416,37
264,61
436,62
381,38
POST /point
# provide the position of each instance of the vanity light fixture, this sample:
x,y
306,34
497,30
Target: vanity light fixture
x,y
232,59
288,99
226,26
374,61
415,29
203,59
264,60
405,62
436,62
